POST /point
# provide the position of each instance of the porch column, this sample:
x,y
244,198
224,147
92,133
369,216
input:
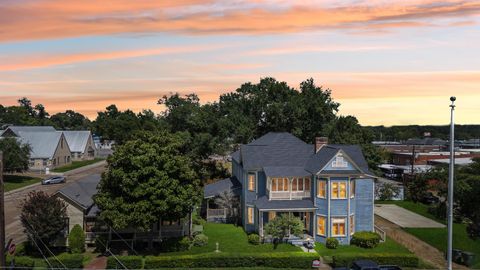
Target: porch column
x,y
260,215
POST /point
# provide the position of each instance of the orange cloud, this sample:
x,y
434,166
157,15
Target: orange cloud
x,y
36,61
24,20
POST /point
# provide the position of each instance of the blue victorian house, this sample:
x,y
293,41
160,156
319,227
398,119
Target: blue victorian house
x,y
329,187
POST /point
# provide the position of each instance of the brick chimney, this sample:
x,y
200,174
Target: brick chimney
x,y
320,142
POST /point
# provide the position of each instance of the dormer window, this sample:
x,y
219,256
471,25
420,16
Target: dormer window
x,y
339,162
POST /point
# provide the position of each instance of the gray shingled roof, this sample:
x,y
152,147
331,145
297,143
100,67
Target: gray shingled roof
x,y
264,204
285,171
82,191
275,149
16,129
43,144
215,189
279,152
77,140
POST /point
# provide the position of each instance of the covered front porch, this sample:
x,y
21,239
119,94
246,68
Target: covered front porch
x,y
303,209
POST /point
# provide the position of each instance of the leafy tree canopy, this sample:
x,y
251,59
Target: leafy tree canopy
x,y
43,217
148,178
16,155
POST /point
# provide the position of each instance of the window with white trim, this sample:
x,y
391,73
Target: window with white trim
x,y
250,215
252,181
339,189
280,184
321,225
338,226
321,188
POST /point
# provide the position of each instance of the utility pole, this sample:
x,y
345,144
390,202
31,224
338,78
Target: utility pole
x,y
450,184
2,217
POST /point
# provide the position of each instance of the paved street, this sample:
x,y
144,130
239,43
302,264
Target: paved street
x,y
14,228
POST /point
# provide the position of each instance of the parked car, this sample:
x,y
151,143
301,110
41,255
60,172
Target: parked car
x,y
54,180
429,198
368,265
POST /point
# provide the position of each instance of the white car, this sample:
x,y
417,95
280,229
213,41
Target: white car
x,y
54,180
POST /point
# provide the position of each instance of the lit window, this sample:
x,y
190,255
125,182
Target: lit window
x,y
321,225
272,215
285,184
297,184
250,215
321,188
338,227
251,181
307,183
352,224
339,162
352,188
339,190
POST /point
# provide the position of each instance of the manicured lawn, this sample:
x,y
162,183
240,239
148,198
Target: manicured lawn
x,y
76,164
234,240
17,181
437,237
388,246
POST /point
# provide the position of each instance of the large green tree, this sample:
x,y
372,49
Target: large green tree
x,y
43,218
148,178
70,120
16,155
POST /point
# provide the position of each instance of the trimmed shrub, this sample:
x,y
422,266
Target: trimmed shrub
x,y
130,262
71,261
21,262
254,239
200,240
223,260
76,240
332,243
405,260
365,239
175,244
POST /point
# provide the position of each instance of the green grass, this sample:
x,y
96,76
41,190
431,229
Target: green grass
x,y
232,239
76,164
389,246
13,182
437,237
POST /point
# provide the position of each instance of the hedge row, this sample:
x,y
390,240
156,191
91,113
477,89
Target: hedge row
x,y
130,262
70,261
274,260
406,260
23,262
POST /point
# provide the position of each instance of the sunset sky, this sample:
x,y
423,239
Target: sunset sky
x,y
387,62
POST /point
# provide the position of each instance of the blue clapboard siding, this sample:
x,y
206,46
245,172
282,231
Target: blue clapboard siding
x,y
364,205
262,184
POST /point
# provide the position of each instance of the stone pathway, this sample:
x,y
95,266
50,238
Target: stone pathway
x,y
423,250
97,263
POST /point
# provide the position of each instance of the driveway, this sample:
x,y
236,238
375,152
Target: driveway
x,y
404,218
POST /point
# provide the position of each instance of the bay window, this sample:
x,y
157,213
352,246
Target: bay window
x,y
321,188
352,188
339,190
250,215
321,225
252,181
338,226
352,224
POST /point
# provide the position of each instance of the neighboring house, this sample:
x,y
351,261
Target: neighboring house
x,y
49,148
329,187
212,212
82,210
81,144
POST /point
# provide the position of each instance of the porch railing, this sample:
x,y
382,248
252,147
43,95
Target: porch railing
x,y
287,195
217,212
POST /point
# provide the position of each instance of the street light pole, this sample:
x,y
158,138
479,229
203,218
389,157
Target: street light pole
x,y
450,184
2,217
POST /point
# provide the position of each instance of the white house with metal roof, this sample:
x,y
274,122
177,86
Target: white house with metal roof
x,y
81,144
49,148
